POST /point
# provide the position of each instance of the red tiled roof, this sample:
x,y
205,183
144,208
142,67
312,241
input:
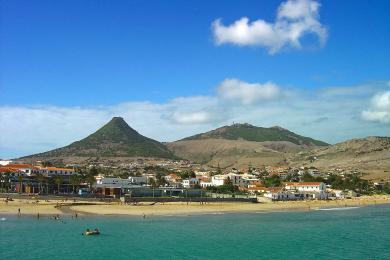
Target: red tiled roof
x,y
303,183
19,166
57,169
8,169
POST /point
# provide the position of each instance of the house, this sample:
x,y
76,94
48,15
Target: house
x,y
309,190
54,171
279,193
306,186
202,174
190,183
253,189
27,169
219,180
137,180
5,162
235,178
102,182
172,178
248,180
205,184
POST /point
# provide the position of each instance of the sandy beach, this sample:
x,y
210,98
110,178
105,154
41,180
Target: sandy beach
x,y
61,207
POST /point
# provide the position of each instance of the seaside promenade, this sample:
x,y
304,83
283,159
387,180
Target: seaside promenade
x,y
68,206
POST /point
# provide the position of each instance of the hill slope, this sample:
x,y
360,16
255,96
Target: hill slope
x,y
258,134
115,139
240,144
370,155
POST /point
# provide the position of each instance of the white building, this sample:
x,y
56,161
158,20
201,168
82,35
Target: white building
x,y
119,183
205,184
249,179
56,171
190,183
281,195
218,180
306,186
138,180
235,178
5,162
200,175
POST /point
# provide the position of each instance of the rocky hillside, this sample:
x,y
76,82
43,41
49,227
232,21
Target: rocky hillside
x,y
370,155
242,144
257,134
115,139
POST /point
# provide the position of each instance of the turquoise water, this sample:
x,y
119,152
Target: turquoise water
x,y
357,233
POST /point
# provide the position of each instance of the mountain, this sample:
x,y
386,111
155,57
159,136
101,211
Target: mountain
x,y
370,155
258,134
115,139
242,144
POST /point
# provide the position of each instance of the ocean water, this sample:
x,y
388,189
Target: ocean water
x,y
351,233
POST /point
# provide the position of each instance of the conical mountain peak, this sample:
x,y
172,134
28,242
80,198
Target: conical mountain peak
x,y
114,139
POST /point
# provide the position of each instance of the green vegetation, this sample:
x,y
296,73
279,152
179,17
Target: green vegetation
x,y
116,138
258,134
272,181
186,174
386,188
351,182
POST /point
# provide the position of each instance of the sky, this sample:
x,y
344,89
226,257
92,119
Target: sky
x,y
176,68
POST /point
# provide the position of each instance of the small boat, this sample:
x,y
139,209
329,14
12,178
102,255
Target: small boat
x,y
91,232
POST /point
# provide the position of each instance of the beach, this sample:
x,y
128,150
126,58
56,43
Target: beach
x,y
70,207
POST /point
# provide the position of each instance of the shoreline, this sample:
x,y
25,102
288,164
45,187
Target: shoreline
x,y
110,209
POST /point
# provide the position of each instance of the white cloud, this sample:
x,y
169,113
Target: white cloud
x,y
247,93
193,110
295,19
198,117
379,110
28,130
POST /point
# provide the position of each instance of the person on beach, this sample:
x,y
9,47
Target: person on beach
x,y
18,212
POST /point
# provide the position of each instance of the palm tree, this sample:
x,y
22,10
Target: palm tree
x,y
2,181
20,180
74,180
7,181
90,179
40,178
58,181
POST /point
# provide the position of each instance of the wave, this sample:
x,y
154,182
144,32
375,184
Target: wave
x,y
340,208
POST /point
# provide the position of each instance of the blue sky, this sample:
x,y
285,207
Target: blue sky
x,y
163,62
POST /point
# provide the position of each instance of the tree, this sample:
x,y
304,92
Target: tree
x,y
2,181
386,188
90,179
293,177
20,180
47,164
152,182
272,181
306,177
58,181
6,183
74,180
250,168
93,171
40,179
219,170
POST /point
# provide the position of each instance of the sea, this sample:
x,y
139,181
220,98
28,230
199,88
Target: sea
x,y
334,233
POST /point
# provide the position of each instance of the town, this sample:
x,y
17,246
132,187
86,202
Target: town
x,y
180,180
